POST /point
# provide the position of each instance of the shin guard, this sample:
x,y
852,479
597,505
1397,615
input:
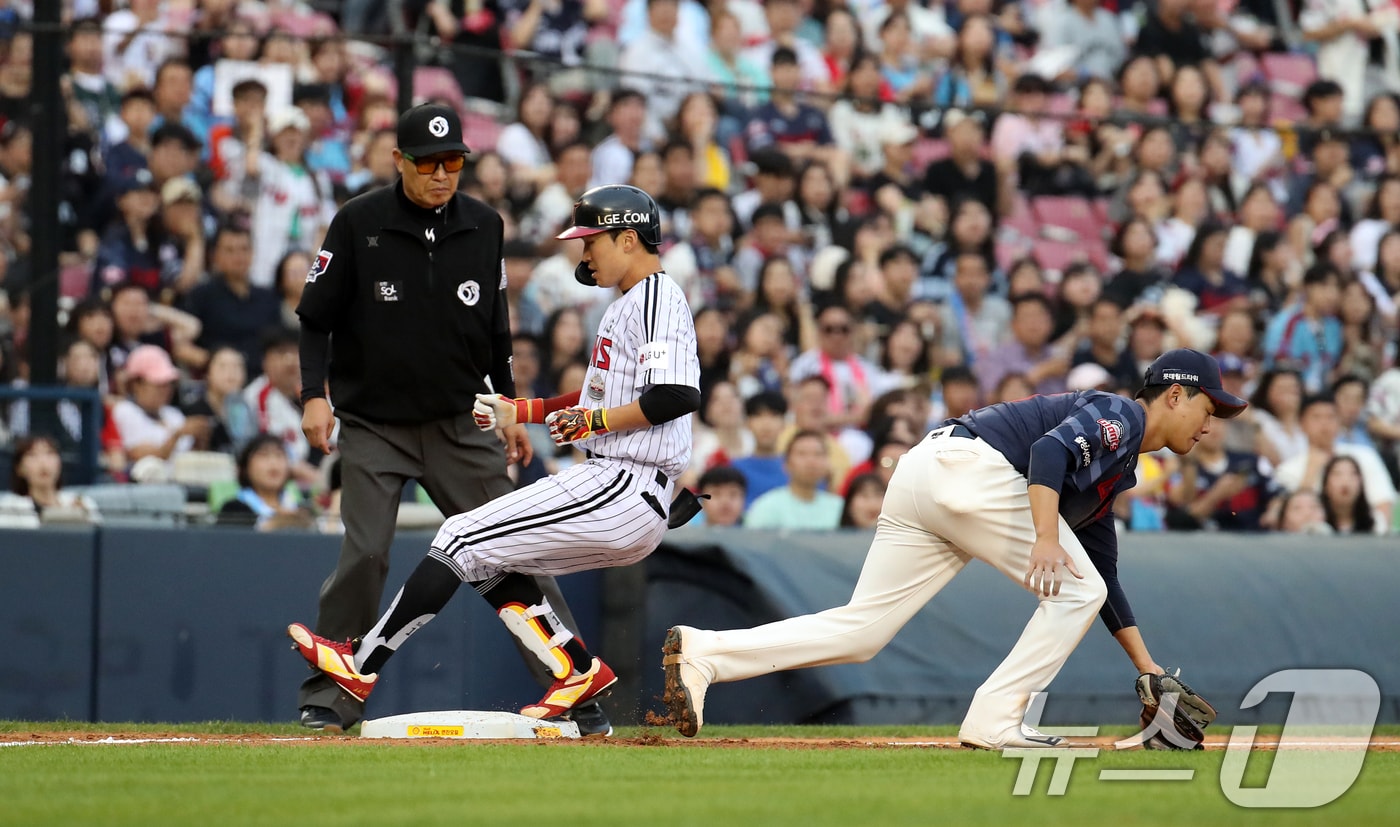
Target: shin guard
x,y
541,632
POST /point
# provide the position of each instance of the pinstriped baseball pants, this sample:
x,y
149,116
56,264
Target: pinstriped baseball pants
x,y
596,514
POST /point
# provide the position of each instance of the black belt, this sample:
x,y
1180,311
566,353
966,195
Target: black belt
x,y
661,479
956,429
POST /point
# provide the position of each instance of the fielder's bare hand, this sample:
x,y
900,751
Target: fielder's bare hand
x,y
518,447
317,422
1047,558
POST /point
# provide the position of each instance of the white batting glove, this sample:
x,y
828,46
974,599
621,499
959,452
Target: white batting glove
x,y
493,411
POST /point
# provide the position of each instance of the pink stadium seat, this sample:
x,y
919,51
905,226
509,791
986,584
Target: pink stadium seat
x,y
1021,225
1057,255
304,24
480,130
926,151
1101,210
434,83
1008,252
1071,213
1286,108
1021,221
1289,74
74,281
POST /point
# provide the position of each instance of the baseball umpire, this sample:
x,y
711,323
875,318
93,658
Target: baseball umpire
x,y
633,416
407,302
1028,488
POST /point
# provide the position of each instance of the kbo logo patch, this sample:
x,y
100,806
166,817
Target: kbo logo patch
x,y
1111,431
323,260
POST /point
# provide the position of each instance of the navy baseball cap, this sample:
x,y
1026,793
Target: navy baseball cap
x,y
430,128
1192,368
141,179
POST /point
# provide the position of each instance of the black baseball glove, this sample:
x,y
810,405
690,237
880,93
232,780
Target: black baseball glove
x,y
1173,716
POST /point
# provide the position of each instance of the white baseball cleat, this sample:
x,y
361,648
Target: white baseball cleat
x,y
1022,737
685,685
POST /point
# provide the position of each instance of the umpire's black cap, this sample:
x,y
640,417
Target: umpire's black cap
x,y
1193,368
430,128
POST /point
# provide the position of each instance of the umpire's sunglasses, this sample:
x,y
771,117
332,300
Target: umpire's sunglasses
x,y
428,166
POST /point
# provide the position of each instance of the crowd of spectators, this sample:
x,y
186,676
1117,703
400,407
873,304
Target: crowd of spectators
x,y
884,213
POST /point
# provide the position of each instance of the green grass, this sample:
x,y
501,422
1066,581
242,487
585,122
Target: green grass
x,y
670,783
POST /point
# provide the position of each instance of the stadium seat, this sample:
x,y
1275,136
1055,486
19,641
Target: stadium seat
x,y
1101,210
201,469
1070,213
1055,256
1021,226
1285,108
926,151
1021,221
1288,74
220,493
480,130
434,83
74,280
304,24
1008,251
137,505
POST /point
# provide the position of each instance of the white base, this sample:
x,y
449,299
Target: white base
x,y
466,725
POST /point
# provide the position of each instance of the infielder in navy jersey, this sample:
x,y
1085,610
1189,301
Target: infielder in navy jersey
x,y
633,418
1025,486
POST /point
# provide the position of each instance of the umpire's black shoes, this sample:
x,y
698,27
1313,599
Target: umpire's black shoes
x,y
591,721
322,718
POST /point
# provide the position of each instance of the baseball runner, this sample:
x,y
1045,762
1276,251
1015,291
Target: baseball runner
x,y
1025,486
405,313
611,510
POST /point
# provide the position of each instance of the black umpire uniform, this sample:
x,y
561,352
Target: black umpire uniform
x,y
409,304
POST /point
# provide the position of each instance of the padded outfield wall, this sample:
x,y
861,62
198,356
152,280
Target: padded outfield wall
x,y
127,624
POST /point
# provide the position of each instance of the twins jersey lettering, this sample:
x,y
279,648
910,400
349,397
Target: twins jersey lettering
x,y
647,337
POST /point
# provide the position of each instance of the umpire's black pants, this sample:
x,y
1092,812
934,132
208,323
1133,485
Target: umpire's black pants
x,y
460,466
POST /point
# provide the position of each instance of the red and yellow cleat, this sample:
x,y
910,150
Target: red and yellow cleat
x,y
575,690
337,660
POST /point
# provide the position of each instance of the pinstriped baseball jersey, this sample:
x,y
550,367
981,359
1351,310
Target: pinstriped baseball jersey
x,y
1101,433
610,510
646,337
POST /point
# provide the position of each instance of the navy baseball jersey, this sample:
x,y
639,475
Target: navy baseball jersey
x,y
1101,434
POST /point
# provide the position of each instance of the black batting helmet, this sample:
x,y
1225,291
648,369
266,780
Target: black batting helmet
x,y
613,207
616,207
